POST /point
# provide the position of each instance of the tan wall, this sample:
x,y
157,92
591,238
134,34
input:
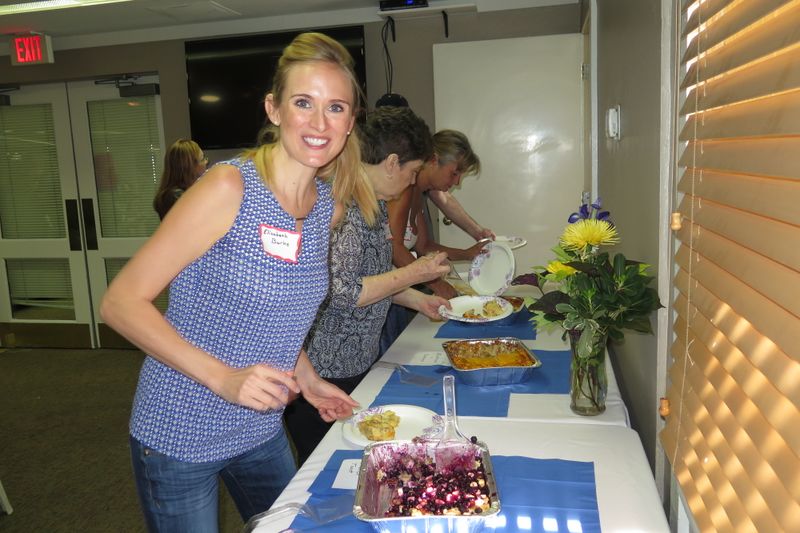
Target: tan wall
x,y
411,54
629,37
165,57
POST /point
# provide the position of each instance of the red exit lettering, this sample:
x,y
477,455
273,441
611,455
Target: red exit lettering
x,y
28,48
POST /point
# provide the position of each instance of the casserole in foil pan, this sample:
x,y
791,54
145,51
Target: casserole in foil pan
x,y
498,361
398,477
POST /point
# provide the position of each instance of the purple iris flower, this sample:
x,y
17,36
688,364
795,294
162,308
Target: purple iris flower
x,y
586,211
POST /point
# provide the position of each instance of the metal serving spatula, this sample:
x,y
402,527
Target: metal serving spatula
x,y
407,376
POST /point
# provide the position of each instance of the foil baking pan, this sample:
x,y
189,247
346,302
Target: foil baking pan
x,y
373,497
488,348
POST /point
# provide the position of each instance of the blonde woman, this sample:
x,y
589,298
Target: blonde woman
x,y
245,252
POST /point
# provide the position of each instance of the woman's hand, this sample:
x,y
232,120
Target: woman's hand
x,y
429,305
426,304
476,249
331,401
430,266
484,233
259,387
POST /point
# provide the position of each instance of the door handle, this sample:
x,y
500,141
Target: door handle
x,y
88,223
73,225
446,221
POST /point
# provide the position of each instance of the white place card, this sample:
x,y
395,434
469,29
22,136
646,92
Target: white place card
x,y
347,477
431,358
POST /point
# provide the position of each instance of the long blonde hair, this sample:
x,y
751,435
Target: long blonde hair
x,y
350,182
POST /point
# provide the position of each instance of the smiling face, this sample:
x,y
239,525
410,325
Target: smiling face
x,y
316,113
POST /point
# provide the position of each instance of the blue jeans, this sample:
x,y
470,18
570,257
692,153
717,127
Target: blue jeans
x,y
396,321
177,496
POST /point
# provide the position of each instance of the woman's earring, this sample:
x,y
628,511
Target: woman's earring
x,y
348,133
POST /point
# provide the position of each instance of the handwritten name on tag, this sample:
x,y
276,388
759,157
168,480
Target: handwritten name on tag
x,y
280,243
347,476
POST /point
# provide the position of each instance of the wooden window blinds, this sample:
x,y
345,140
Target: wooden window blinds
x,y
733,435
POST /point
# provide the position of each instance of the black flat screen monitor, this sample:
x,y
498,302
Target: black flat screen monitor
x,y
228,79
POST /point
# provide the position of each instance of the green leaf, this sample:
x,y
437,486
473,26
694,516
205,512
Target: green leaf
x,y
548,302
619,265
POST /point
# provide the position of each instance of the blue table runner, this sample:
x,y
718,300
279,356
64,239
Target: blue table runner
x,y
517,325
537,495
491,401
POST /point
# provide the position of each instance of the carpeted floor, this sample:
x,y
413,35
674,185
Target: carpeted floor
x,y
64,458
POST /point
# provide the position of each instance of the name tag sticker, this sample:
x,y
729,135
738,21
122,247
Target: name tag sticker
x,y
280,243
347,477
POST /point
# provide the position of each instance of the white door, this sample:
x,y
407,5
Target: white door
x,y
79,165
520,103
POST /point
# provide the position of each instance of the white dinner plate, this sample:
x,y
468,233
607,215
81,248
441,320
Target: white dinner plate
x,y
461,304
414,421
511,242
492,270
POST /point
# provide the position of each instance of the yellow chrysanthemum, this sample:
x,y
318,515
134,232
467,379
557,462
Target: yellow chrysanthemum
x,y
557,267
588,232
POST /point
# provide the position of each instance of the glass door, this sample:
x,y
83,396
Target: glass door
x,y
79,165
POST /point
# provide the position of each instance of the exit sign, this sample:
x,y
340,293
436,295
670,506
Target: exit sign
x,y
31,49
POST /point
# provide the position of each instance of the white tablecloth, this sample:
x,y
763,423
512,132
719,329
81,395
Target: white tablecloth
x,y
538,425
417,345
626,494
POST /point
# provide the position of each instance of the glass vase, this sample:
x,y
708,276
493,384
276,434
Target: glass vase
x,y
587,375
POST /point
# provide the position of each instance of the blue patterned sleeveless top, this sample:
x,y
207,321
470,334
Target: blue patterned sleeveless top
x,y
244,307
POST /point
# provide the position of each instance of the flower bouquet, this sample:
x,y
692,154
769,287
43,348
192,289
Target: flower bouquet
x,y
592,297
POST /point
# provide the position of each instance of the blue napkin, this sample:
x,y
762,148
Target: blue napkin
x,y
491,401
517,325
536,495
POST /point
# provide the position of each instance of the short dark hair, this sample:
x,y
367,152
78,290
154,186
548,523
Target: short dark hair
x,y
395,130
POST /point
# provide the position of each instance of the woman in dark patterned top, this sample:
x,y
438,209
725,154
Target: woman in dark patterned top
x,y
343,342
245,253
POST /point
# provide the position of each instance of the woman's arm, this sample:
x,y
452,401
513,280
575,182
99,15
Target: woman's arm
x,y
349,288
202,216
331,401
426,268
425,244
452,209
398,220
427,304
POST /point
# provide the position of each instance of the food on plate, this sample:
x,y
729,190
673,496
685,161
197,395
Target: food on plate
x,y
471,314
488,354
418,490
379,426
516,301
490,309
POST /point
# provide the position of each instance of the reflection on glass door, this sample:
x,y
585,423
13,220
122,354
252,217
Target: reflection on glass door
x,y
78,169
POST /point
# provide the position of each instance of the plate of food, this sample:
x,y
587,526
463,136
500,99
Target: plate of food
x,y
516,301
492,270
511,242
389,422
477,309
